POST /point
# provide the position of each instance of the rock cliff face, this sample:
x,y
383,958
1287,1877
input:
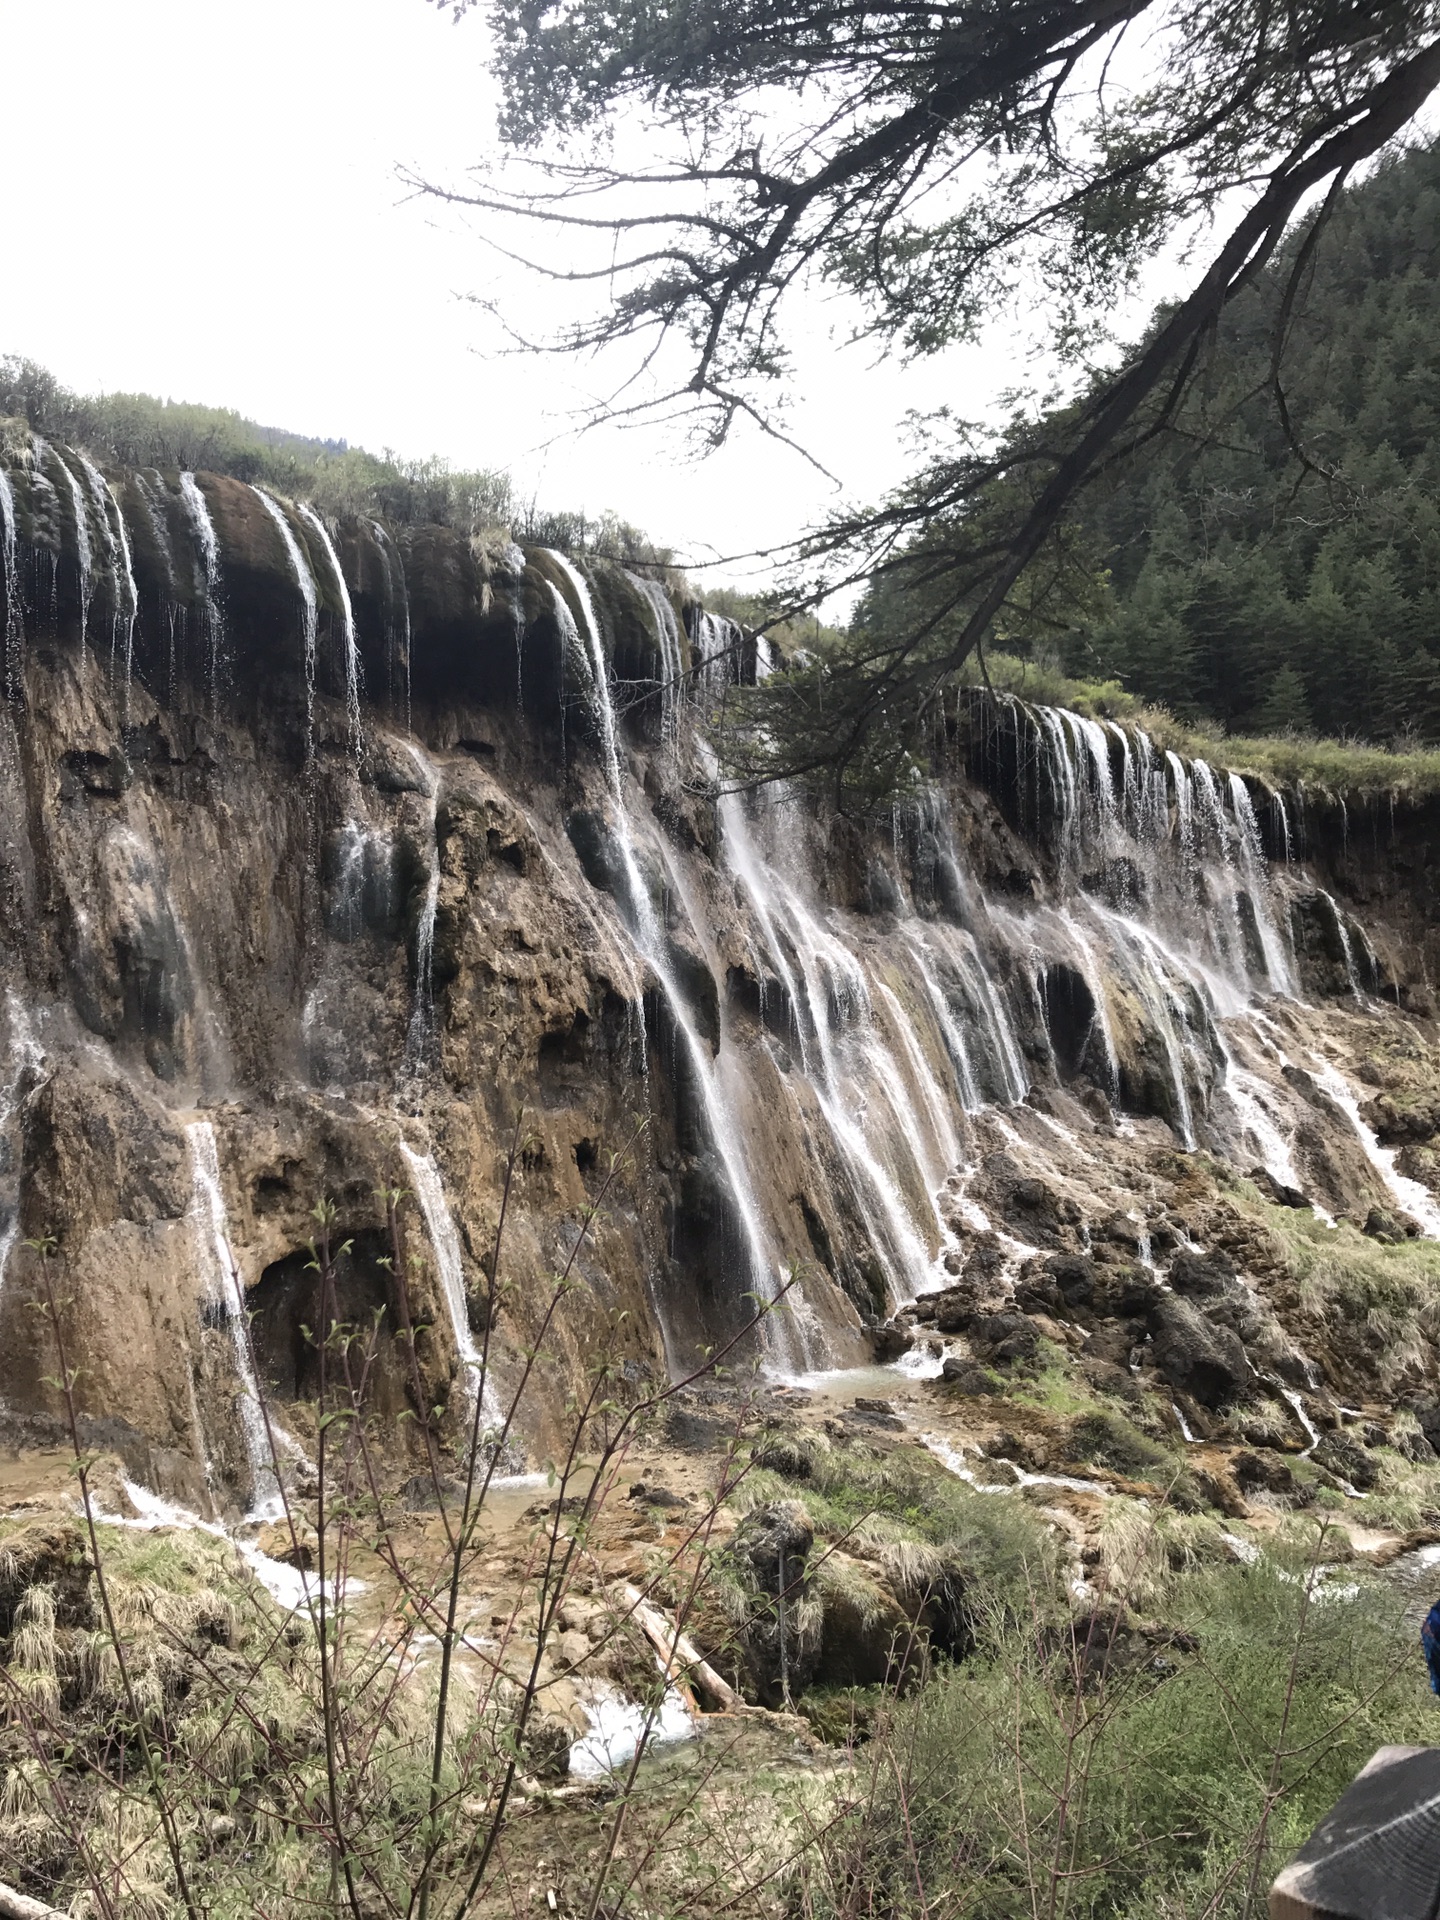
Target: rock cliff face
x,y
343,859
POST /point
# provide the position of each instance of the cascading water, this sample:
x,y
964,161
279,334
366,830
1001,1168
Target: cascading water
x,y
127,602
83,551
207,583
1347,951
1297,1407
450,1271
347,625
1279,964
309,601
1407,1194
672,658
25,1056
222,1295
10,581
784,1334
876,1122
422,1013
397,630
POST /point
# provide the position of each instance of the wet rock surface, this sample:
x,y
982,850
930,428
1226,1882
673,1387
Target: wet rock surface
x,y
356,879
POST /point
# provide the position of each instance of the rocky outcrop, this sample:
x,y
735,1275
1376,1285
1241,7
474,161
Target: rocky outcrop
x,y
338,860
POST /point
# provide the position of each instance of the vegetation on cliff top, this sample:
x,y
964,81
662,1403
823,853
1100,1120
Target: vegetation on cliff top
x,y
141,430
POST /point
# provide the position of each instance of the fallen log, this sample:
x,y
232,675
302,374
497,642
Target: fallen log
x,y
19,1906
682,1663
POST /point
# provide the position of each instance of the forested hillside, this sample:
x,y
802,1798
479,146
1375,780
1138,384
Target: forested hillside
x,y
1269,579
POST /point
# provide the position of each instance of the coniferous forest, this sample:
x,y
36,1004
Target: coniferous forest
x,y
1274,560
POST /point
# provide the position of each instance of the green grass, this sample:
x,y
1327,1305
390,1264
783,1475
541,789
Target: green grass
x,y
1380,1300
905,1495
1143,1785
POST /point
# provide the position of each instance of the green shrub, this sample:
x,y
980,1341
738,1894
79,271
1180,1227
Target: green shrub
x,y
1017,1783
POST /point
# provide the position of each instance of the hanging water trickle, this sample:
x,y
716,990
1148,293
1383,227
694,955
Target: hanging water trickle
x,y
347,629
222,1293
420,1032
305,581
782,1333
126,607
207,580
450,1271
672,658
14,610
397,630
83,550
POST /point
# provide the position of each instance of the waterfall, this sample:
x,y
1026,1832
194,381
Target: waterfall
x,y
782,1333
449,1268
83,553
10,580
1407,1194
826,987
718,648
1257,882
347,622
26,1056
126,612
221,1290
346,911
305,581
207,582
1347,952
950,1030
1248,1094
422,1014
393,632
672,657
1297,1406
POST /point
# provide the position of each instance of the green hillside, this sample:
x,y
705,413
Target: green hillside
x,y
1267,581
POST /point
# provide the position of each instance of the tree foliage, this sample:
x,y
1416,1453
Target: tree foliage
x,y
1282,570
936,165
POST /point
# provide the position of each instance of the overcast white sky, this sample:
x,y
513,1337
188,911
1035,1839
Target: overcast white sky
x,y
203,202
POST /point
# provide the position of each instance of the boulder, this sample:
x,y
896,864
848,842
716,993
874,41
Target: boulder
x,y
1275,1191
966,1377
889,1342
1002,1337
1201,1276
782,1627
1348,1460
1208,1362
1263,1472
866,1637
1074,1278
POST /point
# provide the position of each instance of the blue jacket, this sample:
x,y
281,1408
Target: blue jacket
x,y
1430,1641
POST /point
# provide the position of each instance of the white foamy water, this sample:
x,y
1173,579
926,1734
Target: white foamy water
x,y
618,1724
1407,1194
288,1586
221,1290
450,1270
